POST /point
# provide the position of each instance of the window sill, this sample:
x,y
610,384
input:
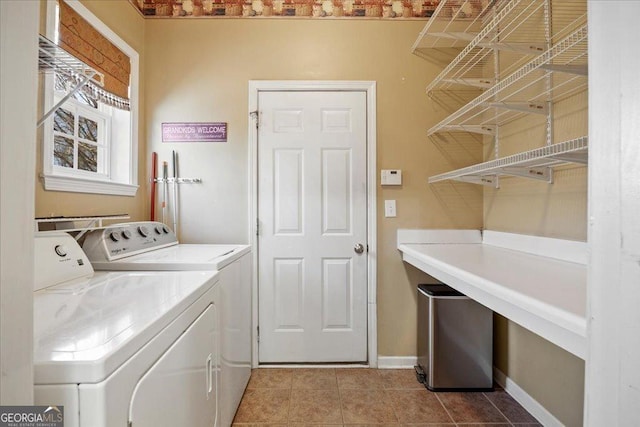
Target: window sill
x,y
79,185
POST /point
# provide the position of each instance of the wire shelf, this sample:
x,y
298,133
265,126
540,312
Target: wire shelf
x,y
527,90
73,224
52,58
454,23
520,28
533,164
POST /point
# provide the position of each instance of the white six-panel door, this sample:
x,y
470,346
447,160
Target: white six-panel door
x,y
312,208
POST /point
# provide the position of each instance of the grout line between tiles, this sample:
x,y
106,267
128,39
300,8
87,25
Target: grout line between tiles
x,y
290,397
393,408
494,405
340,399
444,406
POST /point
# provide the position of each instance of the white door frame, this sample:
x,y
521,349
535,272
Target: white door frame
x,y
256,86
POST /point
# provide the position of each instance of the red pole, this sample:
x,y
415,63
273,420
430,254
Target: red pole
x,y
154,176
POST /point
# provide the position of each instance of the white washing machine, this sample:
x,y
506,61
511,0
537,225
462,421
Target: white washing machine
x,y
123,348
153,246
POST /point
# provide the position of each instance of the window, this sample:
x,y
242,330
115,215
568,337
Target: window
x,y
90,141
80,135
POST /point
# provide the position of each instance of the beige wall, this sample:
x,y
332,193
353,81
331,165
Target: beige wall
x,y
549,374
552,376
199,71
123,19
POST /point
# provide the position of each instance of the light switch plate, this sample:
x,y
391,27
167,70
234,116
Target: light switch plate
x,y
391,177
390,208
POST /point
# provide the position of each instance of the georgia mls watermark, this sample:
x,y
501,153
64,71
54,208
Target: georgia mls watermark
x,y
31,416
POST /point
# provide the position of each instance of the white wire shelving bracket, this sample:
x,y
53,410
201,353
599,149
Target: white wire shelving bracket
x,y
52,58
70,223
535,164
525,89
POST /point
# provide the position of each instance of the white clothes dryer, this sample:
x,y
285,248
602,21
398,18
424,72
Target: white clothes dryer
x,y
123,348
154,246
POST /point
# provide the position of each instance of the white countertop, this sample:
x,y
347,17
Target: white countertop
x,y
543,294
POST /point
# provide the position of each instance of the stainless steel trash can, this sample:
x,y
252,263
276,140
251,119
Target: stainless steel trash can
x,y
455,341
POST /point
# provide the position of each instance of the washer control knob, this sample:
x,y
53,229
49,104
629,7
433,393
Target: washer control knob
x,y
115,236
61,250
126,234
158,229
165,229
144,231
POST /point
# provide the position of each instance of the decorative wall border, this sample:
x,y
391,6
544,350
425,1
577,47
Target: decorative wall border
x,y
309,9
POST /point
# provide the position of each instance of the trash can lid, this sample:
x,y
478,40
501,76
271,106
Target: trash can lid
x,y
439,290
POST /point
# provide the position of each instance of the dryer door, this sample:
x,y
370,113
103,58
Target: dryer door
x,y
180,389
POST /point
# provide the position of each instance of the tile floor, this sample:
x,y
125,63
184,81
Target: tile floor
x,y
333,397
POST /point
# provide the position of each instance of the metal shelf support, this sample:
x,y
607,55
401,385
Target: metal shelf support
x,y
483,130
480,82
84,80
580,70
542,174
525,107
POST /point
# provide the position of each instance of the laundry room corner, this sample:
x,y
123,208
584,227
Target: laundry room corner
x,y
206,81
336,212
123,21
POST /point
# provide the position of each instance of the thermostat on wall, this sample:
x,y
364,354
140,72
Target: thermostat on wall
x,y
391,177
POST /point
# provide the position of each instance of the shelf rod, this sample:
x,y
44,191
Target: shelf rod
x,y
526,107
481,129
543,174
455,35
581,70
77,87
486,180
580,158
480,82
526,48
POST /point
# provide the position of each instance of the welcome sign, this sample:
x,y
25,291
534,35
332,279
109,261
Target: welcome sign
x,y
194,132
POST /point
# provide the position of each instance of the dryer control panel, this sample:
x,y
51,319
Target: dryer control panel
x,y
122,240
58,258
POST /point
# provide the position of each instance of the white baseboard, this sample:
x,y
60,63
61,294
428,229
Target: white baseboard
x,y
310,365
523,398
397,362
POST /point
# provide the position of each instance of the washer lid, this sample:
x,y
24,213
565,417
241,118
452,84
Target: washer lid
x,y
179,257
85,329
